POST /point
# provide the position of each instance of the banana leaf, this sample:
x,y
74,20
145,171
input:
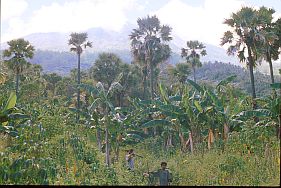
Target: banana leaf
x,y
156,122
226,81
195,85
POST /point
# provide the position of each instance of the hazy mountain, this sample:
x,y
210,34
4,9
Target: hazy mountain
x,y
103,41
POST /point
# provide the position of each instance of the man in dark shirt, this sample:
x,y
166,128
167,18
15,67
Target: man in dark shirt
x,y
165,176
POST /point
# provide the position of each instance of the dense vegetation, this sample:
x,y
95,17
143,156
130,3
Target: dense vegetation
x,y
204,121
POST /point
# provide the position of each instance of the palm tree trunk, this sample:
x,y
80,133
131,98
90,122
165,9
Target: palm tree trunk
x,y
145,82
151,81
145,90
268,57
152,92
279,131
270,67
194,74
78,89
17,83
251,68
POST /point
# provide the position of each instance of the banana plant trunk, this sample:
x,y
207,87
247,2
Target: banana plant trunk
x,y
225,131
107,147
98,133
78,89
210,138
182,141
107,155
191,142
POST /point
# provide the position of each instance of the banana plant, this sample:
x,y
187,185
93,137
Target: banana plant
x,y
269,113
8,116
215,107
167,114
102,103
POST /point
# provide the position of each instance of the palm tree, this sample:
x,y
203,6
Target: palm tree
x,y
149,47
19,50
78,40
245,37
270,44
192,54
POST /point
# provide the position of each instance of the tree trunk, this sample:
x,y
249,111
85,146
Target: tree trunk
x,y
268,56
145,90
151,81
78,89
145,82
17,83
98,138
225,131
210,138
191,142
251,68
270,67
152,91
107,156
193,67
279,131
182,140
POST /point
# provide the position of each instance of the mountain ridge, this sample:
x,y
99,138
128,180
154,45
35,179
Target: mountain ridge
x,y
107,41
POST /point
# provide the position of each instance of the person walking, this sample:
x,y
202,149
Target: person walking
x,y
130,159
164,174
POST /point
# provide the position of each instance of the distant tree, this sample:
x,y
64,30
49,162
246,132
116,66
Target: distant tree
x,y
19,50
78,41
53,79
192,54
181,71
149,45
106,68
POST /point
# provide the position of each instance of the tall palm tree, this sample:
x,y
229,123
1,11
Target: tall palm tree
x,y
149,45
192,54
77,41
270,44
19,50
245,37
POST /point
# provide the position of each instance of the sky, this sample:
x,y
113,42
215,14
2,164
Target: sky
x,y
190,19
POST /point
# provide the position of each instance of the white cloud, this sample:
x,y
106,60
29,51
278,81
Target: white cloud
x,y
73,16
12,8
202,23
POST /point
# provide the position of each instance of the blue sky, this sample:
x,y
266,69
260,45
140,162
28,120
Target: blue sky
x,y
190,19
